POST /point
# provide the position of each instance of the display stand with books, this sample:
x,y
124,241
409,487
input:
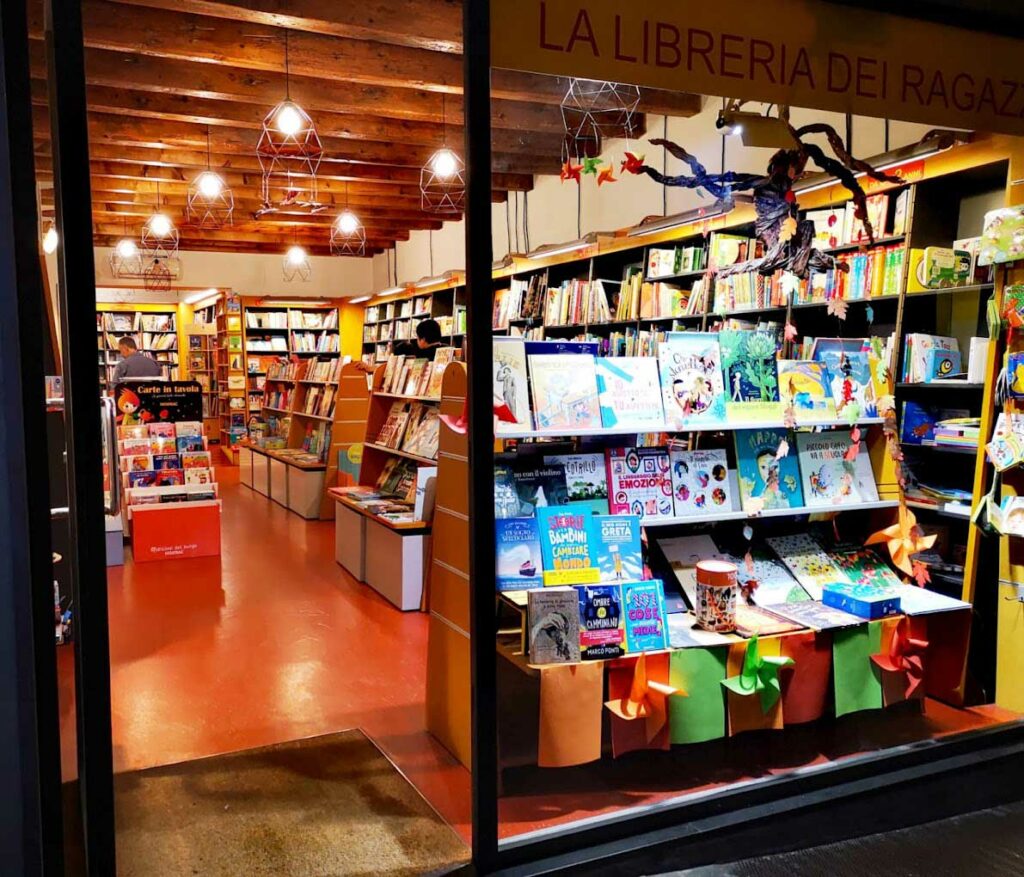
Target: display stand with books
x,y
383,522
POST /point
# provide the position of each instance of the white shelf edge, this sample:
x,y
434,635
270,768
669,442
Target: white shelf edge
x,y
768,513
664,427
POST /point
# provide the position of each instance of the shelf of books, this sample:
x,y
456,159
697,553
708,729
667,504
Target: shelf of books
x,y
153,328
230,375
201,338
169,490
396,319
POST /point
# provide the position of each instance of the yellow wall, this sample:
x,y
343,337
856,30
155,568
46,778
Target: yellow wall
x,y
350,324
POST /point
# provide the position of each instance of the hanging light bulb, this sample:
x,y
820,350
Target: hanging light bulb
x,y
210,203
126,248
295,255
160,225
296,264
50,240
210,184
347,222
287,118
444,163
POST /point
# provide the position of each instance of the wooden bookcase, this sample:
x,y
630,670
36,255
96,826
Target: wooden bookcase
x,y
167,353
351,407
231,410
200,363
395,318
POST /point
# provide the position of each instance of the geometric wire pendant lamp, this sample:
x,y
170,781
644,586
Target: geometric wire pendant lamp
x,y
289,152
210,203
348,237
443,177
126,257
593,109
296,265
159,236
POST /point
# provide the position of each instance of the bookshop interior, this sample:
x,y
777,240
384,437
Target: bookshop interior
x,y
754,351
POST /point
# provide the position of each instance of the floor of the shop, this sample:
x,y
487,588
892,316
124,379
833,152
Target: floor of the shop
x,y
274,641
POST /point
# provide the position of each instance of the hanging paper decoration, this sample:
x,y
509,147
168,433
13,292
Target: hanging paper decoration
x,y
903,659
631,164
570,171
787,247
903,539
605,175
590,165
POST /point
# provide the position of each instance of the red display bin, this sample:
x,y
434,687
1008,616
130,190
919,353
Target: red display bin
x,y
164,532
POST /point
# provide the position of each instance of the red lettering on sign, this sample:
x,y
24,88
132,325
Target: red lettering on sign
x,y
763,60
666,45
700,47
913,79
967,102
725,56
583,32
866,75
544,44
838,66
619,54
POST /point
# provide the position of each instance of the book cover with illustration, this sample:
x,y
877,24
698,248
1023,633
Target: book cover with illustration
x,y
804,384
586,479
506,496
815,615
639,482
643,608
750,373
566,555
511,387
767,579
196,460
808,562
700,481
538,487
564,391
849,378
827,477
142,478
863,567
554,627
198,476
691,379
615,547
167,461
683,553
188,428
600,622
137,463
764,476
189,443
518,562
629,392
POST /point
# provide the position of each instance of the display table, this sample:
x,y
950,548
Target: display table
x,y
278,480
305,486
390,557
245,459
260,471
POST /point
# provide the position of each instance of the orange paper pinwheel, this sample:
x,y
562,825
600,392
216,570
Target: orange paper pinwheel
x,y
646,700
906,656
904,539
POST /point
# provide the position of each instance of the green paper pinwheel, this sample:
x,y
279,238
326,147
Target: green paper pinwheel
x,y
759,675
590,165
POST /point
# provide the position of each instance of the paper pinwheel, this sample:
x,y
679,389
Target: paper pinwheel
x,y
903,539
906,656
605,175
646,700
759,675
590,165
570,171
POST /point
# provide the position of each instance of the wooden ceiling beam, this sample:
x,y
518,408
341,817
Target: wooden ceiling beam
x,y
273,248
116,230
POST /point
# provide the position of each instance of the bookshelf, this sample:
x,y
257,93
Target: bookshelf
x,y
201,365
230,375
154,328
396,318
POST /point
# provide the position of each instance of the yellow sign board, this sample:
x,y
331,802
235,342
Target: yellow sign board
x,y
804,53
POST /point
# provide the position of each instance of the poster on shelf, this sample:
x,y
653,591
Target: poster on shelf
x,y
143,402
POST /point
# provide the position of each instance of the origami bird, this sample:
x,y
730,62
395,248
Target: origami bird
x,y
632,164
590,165
605,175
903,539
570,171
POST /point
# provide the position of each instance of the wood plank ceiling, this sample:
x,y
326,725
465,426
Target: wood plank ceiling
x,y
381,79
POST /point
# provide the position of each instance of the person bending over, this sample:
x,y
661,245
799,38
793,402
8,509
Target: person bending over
x,y
134,364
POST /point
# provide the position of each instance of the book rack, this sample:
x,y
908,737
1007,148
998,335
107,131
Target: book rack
x,y
230,377
113,321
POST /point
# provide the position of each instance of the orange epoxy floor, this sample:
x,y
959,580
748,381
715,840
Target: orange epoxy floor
x,y
271,641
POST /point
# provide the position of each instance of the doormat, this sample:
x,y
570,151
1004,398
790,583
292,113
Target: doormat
x,y
331,805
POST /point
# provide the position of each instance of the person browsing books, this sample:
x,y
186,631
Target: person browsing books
x,y
134,364
428,340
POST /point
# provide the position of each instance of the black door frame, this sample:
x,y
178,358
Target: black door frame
x,y
31,837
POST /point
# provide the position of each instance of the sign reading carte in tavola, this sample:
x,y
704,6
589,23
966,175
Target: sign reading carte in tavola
x,y
144,402
805,53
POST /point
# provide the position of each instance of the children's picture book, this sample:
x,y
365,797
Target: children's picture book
x,y
165,477
189,443
566,556
615,547
804,384
162,430
750,373
773,481
518,564
941,365
766,579
639,482
142,478
134,432
849,376
601,633
691,379
538,487
862,566
815,615
131,446
198,476
586,479
921,601
808,562
759,621
564,391
137,463
700,481
629,392
188,428
506,498
643,608
828,478
196,460
554,627
511,387
442,358
683,553
163,445
167,461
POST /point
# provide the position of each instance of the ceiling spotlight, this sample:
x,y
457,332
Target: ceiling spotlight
x,y
50,240
126,248
347,222
756,130
160,225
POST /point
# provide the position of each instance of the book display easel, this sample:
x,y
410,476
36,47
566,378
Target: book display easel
x,y
154,328
383,523
616,297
